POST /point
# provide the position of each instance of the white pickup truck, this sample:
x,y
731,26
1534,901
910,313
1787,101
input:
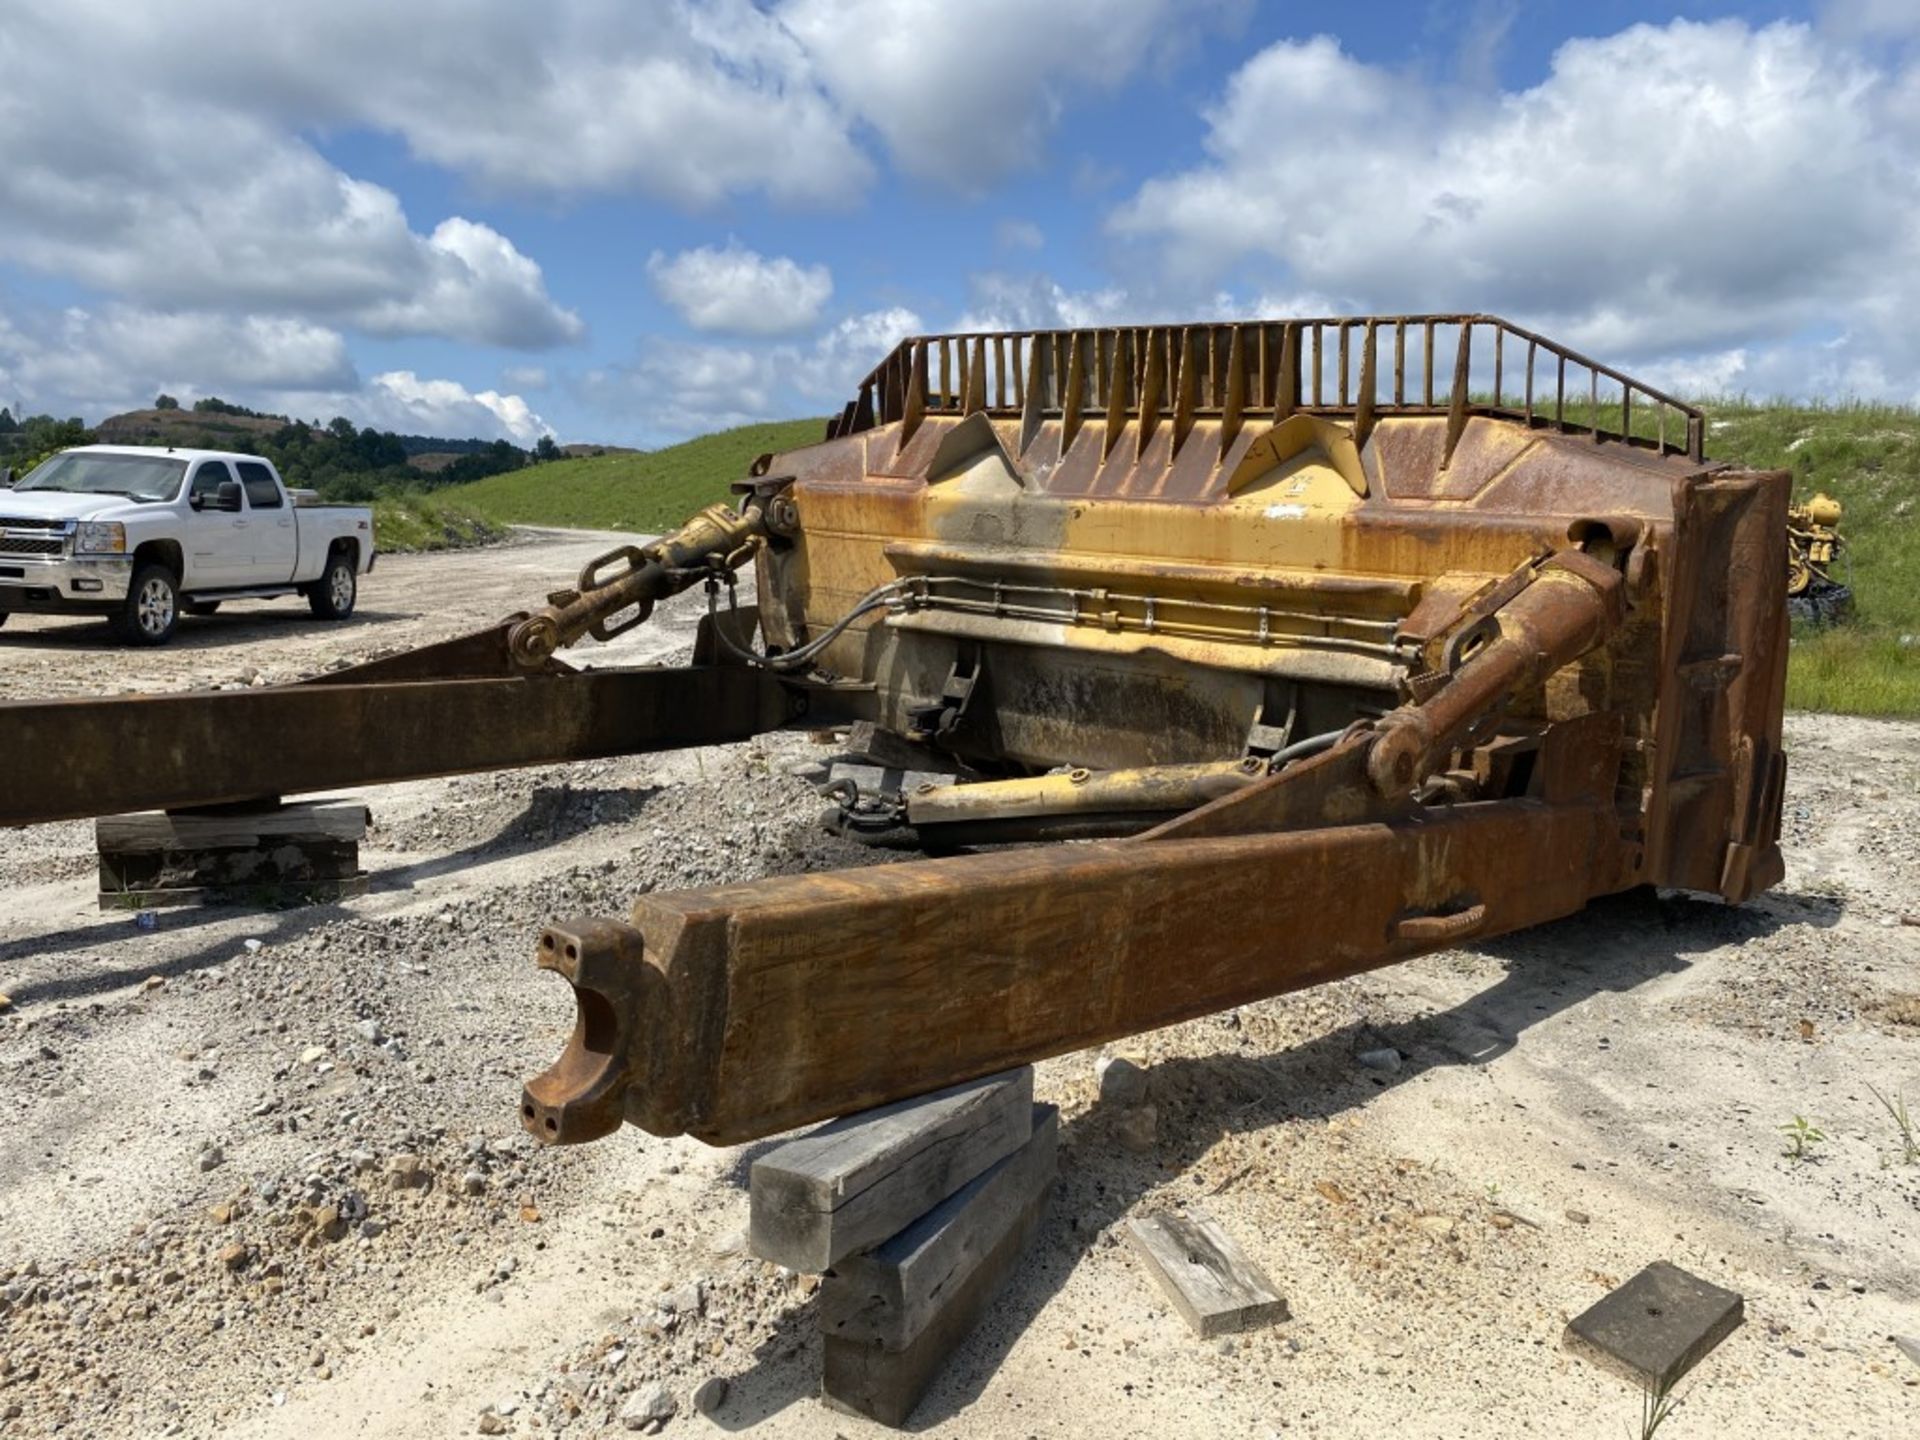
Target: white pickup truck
x,y
140,535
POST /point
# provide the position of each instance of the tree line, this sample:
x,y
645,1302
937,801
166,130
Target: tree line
x,y
340,460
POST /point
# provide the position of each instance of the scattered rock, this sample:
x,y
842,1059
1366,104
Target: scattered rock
x,y
370,1031
212,1158
710,1394
408,1172
687,1300
1121,1081
473,1183
648,1406
1387,1059
1138,1129
312,1054
1579,1217
491,1424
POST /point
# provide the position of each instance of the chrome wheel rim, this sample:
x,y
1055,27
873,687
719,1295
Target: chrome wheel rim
x,y
340,587
154,608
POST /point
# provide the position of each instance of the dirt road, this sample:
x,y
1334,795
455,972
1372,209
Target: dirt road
x,y
260,1173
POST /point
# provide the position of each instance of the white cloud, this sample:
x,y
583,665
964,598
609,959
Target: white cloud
x,y
526,377
690,389
1003,301
838,360
692,100
966,93
740,292
1666,191
96,362
176,204
476,287
1019,235
400,400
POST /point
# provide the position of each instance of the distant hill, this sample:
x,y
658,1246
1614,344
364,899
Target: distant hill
x,y
188,429
629,490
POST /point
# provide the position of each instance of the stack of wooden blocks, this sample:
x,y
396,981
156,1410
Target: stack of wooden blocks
x,y
271,854
914,1214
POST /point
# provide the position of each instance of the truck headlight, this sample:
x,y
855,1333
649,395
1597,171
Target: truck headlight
x,y
100,537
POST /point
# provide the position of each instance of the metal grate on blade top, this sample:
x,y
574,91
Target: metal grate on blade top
x,y
1359,368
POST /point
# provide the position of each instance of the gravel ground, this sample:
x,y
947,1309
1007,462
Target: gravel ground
x,y
261,1174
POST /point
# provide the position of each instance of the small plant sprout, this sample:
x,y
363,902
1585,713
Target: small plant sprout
x,y
1802,1136
1657,1403
1896,1107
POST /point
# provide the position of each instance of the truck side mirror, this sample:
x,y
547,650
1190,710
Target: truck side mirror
x,y
226,496
6,478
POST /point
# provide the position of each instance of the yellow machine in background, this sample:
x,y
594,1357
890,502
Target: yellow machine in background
x,y
1814,542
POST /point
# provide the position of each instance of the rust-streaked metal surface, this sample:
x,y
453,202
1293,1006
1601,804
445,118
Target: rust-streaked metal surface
x,y
1345,638
226,746
1550,629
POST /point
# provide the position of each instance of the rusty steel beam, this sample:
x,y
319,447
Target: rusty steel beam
x,y
69,759
739,1011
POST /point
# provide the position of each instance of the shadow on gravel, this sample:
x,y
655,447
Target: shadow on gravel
x,y
553,814
126,940
1614,945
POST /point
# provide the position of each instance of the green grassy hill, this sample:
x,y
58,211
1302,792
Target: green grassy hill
x,y
1868,458
652,491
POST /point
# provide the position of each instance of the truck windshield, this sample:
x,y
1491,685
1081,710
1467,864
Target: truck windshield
x,y
139,477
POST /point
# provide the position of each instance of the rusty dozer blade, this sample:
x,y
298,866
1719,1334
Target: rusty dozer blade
x,y
743,1010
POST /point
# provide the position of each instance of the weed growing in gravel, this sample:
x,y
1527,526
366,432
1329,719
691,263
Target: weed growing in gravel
x,y
1657,1402
1896,1107
1801,1138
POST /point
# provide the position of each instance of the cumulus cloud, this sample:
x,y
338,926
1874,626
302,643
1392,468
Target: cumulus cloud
x,y
400,400
1668,190
94,362
964,94
737,291
999,300
689,389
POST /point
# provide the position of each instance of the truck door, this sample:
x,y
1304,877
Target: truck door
x,y
219,552
271,531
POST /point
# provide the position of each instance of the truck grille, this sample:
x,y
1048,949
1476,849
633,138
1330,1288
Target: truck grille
x,y
20,535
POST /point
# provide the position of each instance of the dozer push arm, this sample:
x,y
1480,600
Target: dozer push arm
x,y
738,1011
490,700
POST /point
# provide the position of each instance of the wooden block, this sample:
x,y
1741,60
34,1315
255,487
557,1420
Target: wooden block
x,y
1206,1275
890,1294
856,1181
1657,1326
862,1378
208,830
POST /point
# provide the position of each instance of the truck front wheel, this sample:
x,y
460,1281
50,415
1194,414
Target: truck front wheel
x,y
333,594
152,607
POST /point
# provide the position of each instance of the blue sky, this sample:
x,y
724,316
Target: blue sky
x,y
630,222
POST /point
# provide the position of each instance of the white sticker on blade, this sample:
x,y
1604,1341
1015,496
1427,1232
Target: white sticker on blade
x,y
1285,512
